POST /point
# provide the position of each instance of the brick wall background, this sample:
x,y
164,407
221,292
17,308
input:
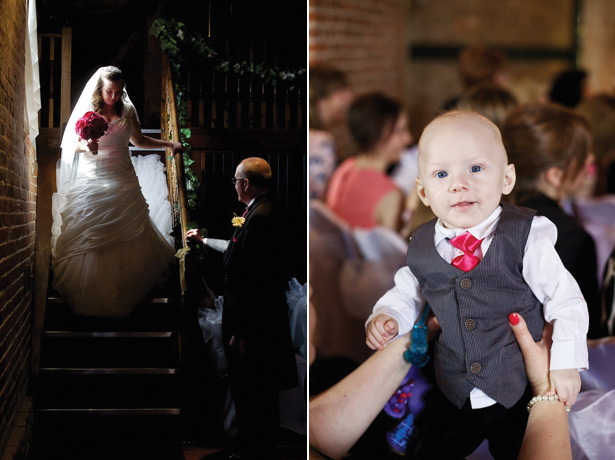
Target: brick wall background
x,y
367,40
373,42
494,23
534,35
597,52
17,221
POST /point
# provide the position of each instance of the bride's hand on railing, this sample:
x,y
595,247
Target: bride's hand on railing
x,y
177,147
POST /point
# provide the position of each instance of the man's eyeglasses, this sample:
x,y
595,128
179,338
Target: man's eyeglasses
x,y
234,181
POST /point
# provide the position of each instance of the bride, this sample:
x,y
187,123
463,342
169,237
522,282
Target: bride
x,y
107,253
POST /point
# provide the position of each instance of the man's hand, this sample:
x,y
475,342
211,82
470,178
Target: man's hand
x,y
194,235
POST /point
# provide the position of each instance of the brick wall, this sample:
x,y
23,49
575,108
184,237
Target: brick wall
x,y
495,23
537,36
17,221
372,41
364,38
598,43
367,40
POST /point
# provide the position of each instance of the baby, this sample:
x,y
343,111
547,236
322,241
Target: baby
x,y
477,263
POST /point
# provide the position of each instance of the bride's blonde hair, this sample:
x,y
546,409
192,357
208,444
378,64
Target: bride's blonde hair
x,y
112,74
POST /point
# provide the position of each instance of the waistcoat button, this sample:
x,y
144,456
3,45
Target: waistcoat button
x,y
466,283
470,324
475,368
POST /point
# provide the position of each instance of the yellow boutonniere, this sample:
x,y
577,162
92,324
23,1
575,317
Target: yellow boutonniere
x,y
238,221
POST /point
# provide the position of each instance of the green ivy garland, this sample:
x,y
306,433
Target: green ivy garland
x,y
176,41
175,38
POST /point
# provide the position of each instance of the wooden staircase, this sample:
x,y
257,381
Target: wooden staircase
x,y
112,388
111,379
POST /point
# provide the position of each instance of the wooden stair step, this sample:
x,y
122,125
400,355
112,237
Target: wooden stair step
x,y
102,409
107,434
108,334
110,370
112,411
54,299
160,314
93,388
84,350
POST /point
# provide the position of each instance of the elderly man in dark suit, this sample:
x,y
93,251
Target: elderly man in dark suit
x,y
255,316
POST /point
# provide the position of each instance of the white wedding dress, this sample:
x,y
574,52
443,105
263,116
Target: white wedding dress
x,y
107,251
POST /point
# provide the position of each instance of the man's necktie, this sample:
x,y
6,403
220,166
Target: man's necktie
x,y
468,244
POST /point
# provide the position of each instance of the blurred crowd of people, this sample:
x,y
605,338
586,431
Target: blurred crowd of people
x,y
364,208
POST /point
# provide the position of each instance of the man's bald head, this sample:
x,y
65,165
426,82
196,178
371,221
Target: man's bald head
x,y
257,171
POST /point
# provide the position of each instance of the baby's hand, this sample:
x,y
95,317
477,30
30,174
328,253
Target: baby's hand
x,y
380,330
567,384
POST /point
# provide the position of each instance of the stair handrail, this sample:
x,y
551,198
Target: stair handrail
x,y
175,165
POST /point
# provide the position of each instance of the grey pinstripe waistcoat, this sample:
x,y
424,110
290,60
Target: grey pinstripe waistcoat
x,y
476,347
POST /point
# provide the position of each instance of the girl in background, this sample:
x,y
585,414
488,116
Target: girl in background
x,y
550,147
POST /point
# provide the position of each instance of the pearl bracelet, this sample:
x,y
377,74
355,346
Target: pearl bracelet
x,y
539,398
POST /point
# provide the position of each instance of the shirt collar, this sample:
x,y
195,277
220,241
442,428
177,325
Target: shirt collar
x,y
255,198
482,230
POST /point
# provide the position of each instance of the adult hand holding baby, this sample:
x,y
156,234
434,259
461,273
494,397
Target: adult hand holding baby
x,y
535,354
547,435
536,357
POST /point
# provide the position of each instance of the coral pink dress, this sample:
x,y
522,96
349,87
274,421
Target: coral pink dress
x,y
354,193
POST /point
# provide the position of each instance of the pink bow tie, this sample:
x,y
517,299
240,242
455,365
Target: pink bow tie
x,y
468,244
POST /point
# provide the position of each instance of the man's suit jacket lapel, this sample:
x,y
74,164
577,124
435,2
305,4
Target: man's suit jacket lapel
x,y
237,234
257,202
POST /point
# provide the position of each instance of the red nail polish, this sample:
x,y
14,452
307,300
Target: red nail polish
x,y
513,318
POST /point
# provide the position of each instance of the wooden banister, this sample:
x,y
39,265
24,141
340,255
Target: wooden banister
x,y
174,162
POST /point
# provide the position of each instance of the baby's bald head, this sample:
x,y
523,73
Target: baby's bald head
x,y
463,168
461,123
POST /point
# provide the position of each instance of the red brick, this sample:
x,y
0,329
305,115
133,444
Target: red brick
x,y
17,219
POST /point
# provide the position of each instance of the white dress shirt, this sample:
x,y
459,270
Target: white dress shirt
x,y
543,271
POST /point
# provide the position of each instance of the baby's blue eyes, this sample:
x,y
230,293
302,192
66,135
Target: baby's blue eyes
x,y
474,169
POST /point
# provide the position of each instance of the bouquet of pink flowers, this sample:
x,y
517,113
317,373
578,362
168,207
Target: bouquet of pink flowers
x,y
92,125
